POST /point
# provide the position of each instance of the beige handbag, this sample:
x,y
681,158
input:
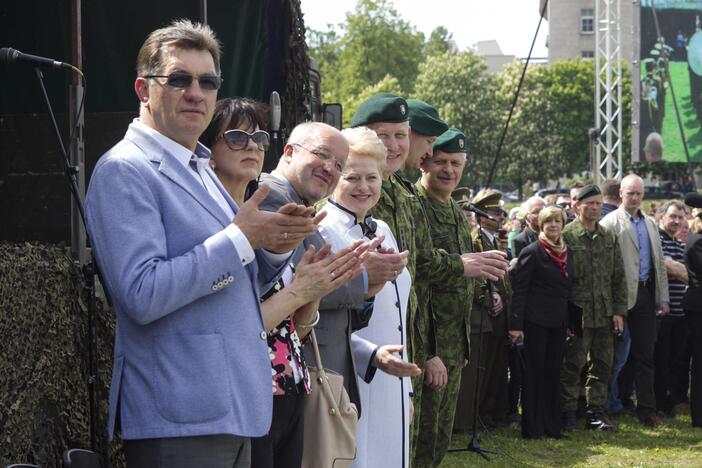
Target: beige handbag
x,y
330,419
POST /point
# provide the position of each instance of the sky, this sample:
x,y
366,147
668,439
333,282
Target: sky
x,y
511,22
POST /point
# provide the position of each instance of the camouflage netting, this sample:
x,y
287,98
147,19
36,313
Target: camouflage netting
x,y
43,357
296,69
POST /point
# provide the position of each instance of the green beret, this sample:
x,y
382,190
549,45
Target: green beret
x,y
488,200
451,141
424,119
461,195
588,191
381,107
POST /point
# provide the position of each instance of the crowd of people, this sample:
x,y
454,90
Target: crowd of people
x,y
219,273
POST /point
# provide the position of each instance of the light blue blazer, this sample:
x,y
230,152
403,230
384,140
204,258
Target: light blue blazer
x,y
191,355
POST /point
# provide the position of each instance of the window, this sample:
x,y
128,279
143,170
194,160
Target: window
x,y
587,54
587,21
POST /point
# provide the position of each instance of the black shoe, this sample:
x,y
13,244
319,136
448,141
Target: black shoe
x,y
598,423
569,421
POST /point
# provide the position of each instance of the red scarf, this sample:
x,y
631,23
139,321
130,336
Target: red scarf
x,y
560,259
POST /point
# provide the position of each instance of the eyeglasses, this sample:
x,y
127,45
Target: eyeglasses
x,y
238,139
324,156
182,80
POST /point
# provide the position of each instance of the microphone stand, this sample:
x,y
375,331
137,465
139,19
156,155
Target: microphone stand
x,y
474,444
89,269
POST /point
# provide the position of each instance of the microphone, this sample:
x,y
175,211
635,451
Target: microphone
x,y
275,111
478,211
693,200
10,56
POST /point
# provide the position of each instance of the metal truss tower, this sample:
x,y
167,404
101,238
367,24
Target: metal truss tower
x,y
607,162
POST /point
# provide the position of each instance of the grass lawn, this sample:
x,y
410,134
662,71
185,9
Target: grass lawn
x,y
674,151
676,444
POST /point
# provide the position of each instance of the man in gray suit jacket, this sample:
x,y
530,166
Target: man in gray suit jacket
x,y
191,380
309,169
647,286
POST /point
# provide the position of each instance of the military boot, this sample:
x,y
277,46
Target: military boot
x,y
597,422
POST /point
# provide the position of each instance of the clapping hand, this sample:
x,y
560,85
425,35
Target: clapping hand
x,y
277,232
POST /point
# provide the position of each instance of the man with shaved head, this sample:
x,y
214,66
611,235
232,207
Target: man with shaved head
x,y
647,287
308,170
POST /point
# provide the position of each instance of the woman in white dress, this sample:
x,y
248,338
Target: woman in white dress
x,y
382,437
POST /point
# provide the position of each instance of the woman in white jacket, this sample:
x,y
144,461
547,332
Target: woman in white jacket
x,y
383,429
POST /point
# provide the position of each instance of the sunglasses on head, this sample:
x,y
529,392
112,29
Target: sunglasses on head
x,y
238,139
182,80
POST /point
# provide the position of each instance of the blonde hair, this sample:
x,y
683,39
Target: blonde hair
x,y
550,213
695,224
364,142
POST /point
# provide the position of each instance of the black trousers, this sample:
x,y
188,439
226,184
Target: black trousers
x,y
694,320
516,372
282,447
669,361
215,451
642,325
543,354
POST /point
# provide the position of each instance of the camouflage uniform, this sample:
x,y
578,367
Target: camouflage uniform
x,y
448,327
400,208
599,287
494,353
395,207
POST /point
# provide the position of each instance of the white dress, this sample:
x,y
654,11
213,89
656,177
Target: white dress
x,y
382,437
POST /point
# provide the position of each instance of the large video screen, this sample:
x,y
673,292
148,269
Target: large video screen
x,y
673,59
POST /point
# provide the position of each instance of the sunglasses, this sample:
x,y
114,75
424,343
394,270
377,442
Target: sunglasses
x,y
182,80
238,139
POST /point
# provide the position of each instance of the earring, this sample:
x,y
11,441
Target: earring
x,y
212,164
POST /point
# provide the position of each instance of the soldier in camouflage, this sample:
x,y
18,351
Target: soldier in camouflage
x,y
450,304
599,287
408,143
488,318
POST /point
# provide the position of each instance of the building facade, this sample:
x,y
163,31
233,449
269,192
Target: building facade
x,y
571,28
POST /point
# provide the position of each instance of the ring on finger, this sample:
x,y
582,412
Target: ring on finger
x,y
333,275
285,235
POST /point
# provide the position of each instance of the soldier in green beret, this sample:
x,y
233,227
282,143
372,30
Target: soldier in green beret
x,y
450,303
489,317
599,287
390,117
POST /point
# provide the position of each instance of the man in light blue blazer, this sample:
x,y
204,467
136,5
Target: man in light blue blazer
x,y
183,265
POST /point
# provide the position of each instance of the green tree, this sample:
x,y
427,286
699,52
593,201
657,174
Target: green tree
x,y
440,41
324,48
372,43
377,42
531,151
460,88
389,84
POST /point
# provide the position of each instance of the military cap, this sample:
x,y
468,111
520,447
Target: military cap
x,y
451,141
381,107
461,195
424,119
588,191
488,199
